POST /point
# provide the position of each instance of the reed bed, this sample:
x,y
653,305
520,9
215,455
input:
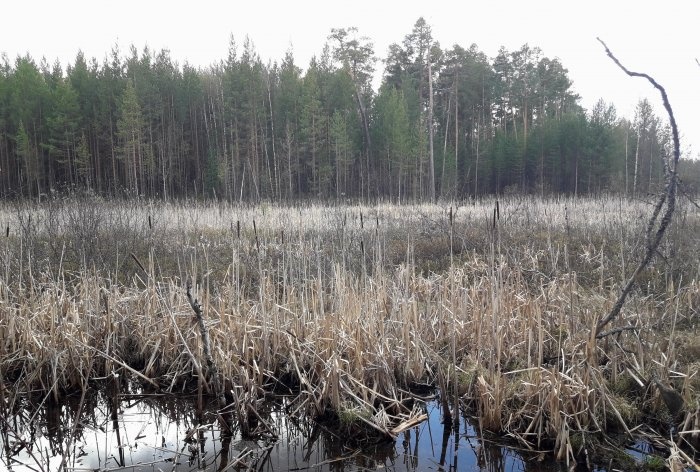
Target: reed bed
x,y
353,307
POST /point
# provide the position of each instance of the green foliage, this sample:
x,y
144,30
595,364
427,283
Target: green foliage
x,y
143,123
394,140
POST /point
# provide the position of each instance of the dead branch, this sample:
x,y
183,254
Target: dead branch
x,y
667,198
616,331
211,366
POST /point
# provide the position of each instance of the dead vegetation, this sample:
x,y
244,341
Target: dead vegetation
x,y
353,307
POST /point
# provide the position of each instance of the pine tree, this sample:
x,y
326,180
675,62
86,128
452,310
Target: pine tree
x,y
130,131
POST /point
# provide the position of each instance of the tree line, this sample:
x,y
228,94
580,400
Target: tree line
x,y
443,123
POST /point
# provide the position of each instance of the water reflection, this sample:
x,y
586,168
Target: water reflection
x,y
149,432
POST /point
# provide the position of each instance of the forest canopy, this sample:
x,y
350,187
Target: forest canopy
x,y
442,123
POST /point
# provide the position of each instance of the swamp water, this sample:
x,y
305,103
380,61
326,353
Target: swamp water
x,y
142,432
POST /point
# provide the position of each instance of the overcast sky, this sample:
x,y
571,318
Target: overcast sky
x,y
658,38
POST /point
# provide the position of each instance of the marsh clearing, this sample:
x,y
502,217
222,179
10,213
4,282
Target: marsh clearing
x,y
353,309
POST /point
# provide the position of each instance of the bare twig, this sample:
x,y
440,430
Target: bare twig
x,y
667,198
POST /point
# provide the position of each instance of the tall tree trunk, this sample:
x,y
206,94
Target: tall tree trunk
x,y
224,141
476,165
651,166
430,127
268,164
368,139
230,163
200,171
576,175
636,163
456,187
277,192
289,160
150,169
627,135
444,148
115,177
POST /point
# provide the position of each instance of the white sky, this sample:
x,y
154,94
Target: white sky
x,y
659,38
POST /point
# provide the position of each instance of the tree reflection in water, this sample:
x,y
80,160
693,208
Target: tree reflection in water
x,y
128,428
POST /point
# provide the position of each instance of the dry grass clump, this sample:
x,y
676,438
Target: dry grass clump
x,y
352,306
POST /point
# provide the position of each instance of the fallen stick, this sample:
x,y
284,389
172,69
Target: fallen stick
x,y
408,424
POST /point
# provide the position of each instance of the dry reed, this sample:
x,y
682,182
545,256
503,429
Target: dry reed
x,y
352,315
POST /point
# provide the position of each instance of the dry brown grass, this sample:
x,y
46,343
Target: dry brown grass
x,y
353,306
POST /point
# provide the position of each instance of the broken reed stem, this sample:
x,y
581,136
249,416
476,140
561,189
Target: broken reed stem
x,y
204,332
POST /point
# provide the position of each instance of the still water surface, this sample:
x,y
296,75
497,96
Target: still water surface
x,y
165,433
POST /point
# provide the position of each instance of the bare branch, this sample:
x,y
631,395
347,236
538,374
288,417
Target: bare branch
x,y
616,331
664,97
667,198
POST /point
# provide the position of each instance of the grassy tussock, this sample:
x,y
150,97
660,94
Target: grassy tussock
x,y
355,305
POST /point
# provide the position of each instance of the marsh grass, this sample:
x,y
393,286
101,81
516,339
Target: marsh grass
x,y
351,307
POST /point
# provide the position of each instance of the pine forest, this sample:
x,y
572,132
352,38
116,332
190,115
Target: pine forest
x,y
443,123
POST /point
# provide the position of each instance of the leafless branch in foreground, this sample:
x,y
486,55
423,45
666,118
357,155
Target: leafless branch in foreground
x,y
667,198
